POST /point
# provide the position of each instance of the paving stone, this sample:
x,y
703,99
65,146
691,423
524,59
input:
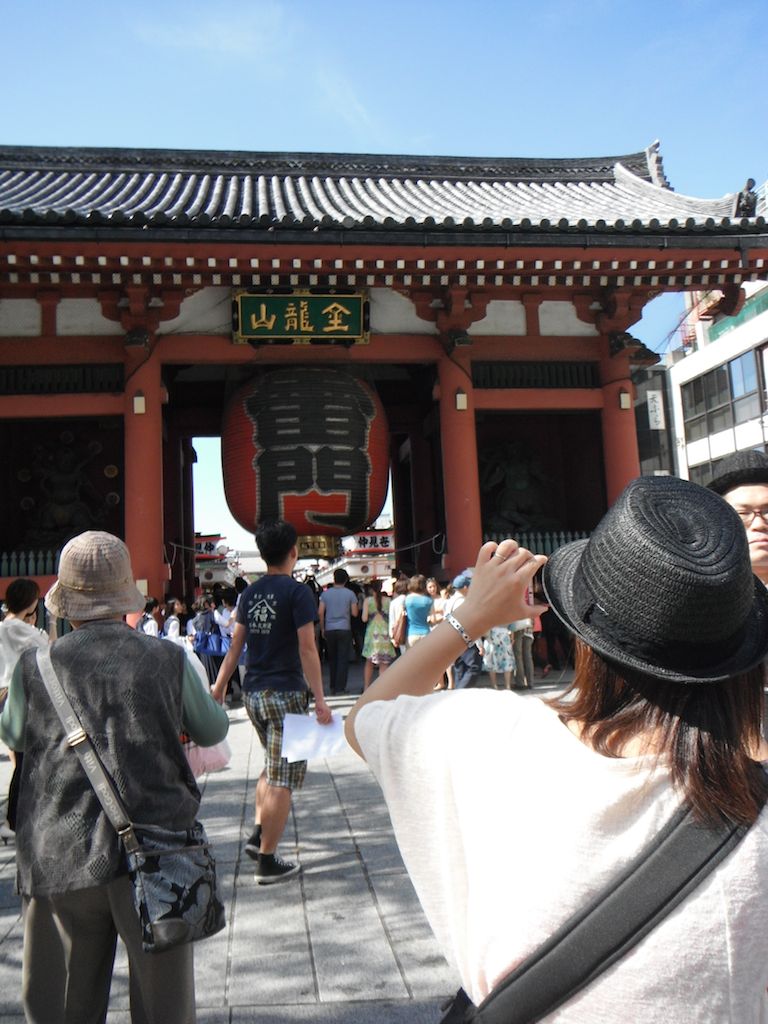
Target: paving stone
x,y
380,1012
346,942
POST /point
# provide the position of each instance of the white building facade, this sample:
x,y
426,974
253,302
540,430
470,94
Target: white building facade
x,y
718,387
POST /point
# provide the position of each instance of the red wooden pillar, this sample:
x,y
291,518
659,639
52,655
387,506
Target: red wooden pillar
x,y
461,484
423,500
144,476
620,451
401,501
189,457
173,515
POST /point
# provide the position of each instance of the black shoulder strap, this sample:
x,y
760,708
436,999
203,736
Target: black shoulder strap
x,y
653,884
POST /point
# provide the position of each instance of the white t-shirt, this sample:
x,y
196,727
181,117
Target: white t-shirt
x,y
225,620
16,636
395,608
508,824
149,626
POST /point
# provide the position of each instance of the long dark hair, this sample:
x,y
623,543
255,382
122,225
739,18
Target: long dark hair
x,y
708,732
374,588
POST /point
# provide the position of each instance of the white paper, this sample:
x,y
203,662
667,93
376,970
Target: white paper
x,y
304,739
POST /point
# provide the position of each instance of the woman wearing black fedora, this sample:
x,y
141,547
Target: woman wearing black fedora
x,y
671,631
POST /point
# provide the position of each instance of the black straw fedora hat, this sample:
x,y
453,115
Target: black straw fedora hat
x,y
739,470
664,586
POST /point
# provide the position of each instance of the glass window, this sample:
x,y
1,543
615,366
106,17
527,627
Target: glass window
x,y
716,389
743,375
720,419
695,429
717,400
700,474
747,408
693,398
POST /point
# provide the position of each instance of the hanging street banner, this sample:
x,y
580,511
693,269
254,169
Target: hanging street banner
x,y
300,317
371,542
206,547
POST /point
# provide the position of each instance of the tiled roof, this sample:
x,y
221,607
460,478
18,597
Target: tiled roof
x,y
209,190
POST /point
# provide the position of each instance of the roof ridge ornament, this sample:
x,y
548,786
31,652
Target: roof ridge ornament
x,y
656,165
746,200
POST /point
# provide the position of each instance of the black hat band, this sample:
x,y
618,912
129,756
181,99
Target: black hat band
x,y
680,656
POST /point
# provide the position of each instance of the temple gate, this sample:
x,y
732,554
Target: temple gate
x,y
495,299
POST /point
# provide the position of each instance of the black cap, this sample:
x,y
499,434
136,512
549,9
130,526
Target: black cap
x,y
664,585
740,470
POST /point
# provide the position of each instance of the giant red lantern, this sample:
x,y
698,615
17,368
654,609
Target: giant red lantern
x,y
310,446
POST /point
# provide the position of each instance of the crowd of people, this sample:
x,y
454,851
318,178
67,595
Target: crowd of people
x,y
665,610
357,621
375,621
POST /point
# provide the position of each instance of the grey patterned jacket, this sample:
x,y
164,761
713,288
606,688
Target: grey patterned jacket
x,y
126,688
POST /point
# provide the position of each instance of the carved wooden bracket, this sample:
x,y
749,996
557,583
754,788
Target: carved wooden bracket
x,y
426,301
140,308
621,310
450,309
610,309
582,303
732,301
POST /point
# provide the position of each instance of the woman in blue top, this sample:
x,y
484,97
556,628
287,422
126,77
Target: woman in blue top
x,y
418,607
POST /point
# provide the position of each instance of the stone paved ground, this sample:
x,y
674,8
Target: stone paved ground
x,y
345,943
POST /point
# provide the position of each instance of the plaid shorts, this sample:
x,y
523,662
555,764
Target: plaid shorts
x,y
267,709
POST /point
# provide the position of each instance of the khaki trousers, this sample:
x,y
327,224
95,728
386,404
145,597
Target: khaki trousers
x,y
69,951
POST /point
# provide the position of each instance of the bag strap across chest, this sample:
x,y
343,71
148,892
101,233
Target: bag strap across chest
x,y
662,875
77,738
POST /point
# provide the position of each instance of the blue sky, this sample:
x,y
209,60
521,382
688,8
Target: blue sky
x,y
490,78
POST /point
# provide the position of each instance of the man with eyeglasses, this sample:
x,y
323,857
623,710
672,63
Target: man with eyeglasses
x,y
743,483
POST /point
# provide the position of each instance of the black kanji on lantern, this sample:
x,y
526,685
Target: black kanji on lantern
x,y
311,431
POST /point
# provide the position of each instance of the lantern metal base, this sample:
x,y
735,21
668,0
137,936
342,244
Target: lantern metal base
x,y
311,546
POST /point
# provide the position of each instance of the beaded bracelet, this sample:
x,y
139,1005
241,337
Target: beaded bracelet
x,y
459,629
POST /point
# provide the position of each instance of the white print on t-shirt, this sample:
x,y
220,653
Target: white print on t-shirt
x,y
262,614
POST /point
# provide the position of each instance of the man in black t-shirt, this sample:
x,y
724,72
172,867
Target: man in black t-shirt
x,y
275,616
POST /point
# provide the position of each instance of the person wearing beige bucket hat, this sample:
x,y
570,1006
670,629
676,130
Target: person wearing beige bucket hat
x,y
134,696
95,580
531,807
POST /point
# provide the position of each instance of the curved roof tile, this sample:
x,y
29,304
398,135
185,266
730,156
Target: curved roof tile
x,y
210,189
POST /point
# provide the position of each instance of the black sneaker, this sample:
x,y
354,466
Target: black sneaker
x,y
254,843
271,869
